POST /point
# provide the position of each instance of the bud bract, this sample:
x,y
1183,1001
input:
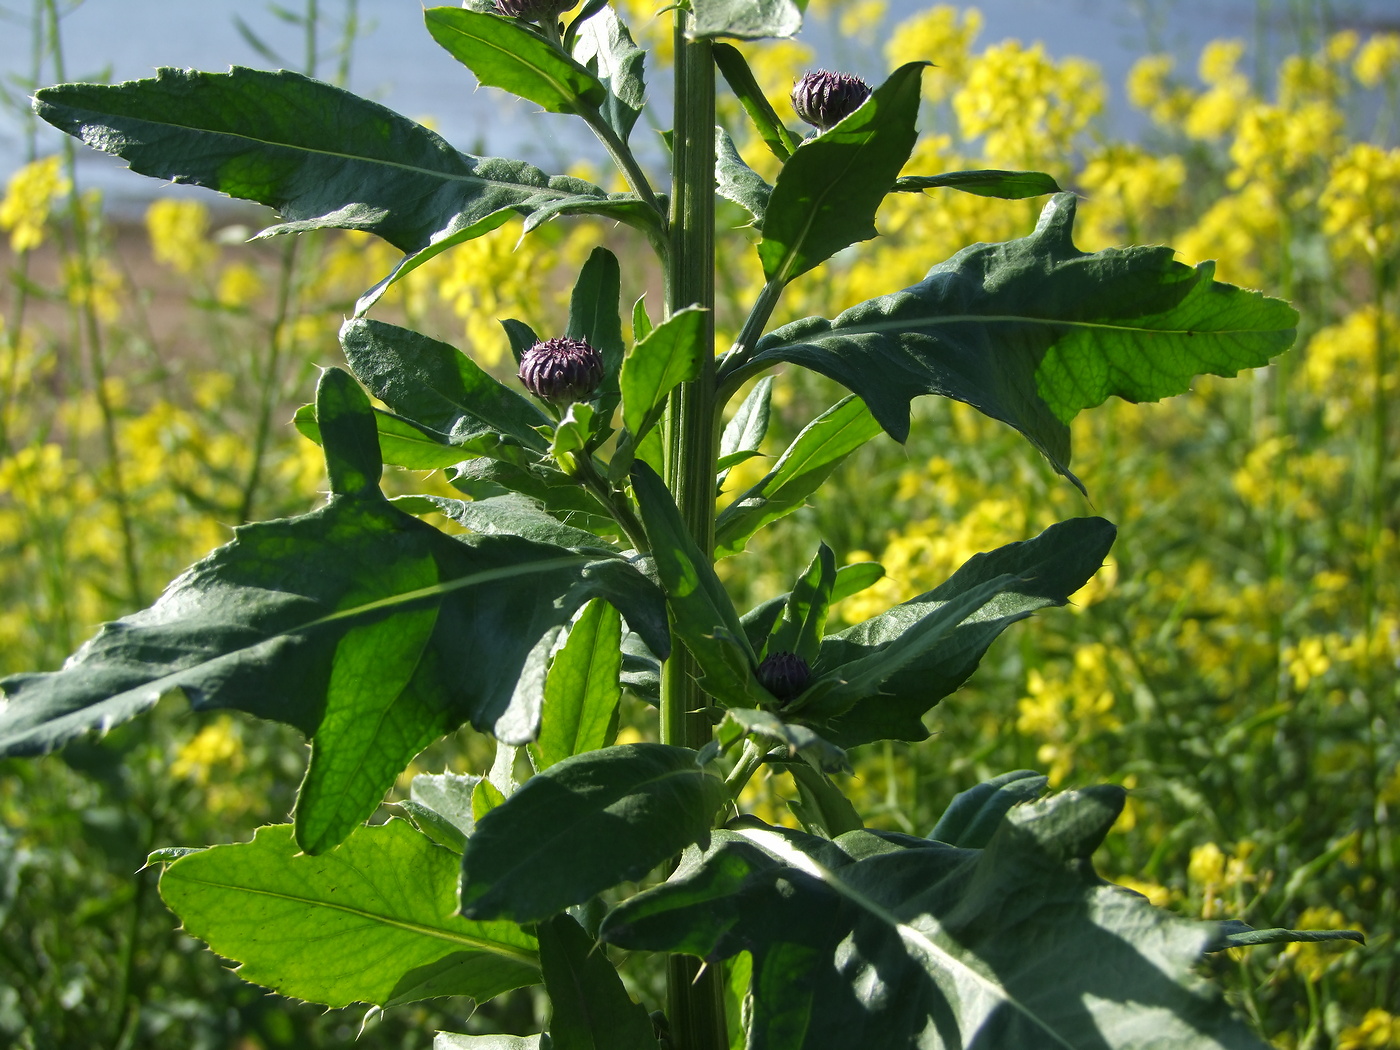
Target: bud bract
x,y
784,675
823,99
534,10
561,370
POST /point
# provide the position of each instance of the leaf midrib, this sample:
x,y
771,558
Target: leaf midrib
x,y
508,951
778,847
534,189
565,91
906,324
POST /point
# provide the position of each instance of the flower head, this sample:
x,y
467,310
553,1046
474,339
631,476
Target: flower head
x,y
823,99
561,370
784,674
534,10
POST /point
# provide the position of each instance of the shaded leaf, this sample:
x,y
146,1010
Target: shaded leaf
x,y
1008,185
1033,330
503,53
800,471
702,613
821,806
883,940
372,922
939,637
583,825
595,316
827,194
354,620
590,1009
799,629
582,691
510,515
974,815
740,722
441,805
439,387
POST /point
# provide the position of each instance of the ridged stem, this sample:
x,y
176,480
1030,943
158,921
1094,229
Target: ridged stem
x,y
695,992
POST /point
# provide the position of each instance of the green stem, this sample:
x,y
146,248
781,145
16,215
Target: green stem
x,y
694,992
92,328
615,503
271,372
749,762
732,370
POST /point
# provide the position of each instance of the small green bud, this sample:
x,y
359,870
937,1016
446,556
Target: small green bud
x,y
824,99
561,370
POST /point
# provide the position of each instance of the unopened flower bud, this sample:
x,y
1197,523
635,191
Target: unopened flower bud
x,y
823,99
534,10
561,370
784,674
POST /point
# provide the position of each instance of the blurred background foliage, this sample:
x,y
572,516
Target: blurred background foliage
x,y
1235,664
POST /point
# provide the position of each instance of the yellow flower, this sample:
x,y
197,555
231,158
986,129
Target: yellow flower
x,y
1378,1030
1149,87
1305,661
1219,61
217,744
1207,865
29,195
1155,894
239,285
1361,203
860,19
179,232
942,35
99,283
1378,60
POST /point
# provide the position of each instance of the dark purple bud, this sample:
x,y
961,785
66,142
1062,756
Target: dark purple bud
x,y
561,370
823,99
784,675
534,10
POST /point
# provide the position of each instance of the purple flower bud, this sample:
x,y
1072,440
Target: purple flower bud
x,y
561,370
784,675
533,10
823,99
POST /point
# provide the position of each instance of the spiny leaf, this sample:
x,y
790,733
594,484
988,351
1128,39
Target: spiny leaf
x,y
371,922
1033,330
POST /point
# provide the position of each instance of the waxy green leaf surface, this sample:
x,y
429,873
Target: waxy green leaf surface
x,y
876,680
887,940
320,156
589,1007
371,922
584,825
827,194
1033,330
356,617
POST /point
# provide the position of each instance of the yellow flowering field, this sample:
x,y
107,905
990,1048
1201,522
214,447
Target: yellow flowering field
x,y
1236,664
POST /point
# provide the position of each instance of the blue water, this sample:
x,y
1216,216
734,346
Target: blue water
x,y
395,62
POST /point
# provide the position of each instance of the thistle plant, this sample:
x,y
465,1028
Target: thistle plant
x,y
588,570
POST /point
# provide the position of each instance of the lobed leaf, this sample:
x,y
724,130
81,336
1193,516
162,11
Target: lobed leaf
x,y
355,619
876,939
1033,330
318,155
584,825
371,922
